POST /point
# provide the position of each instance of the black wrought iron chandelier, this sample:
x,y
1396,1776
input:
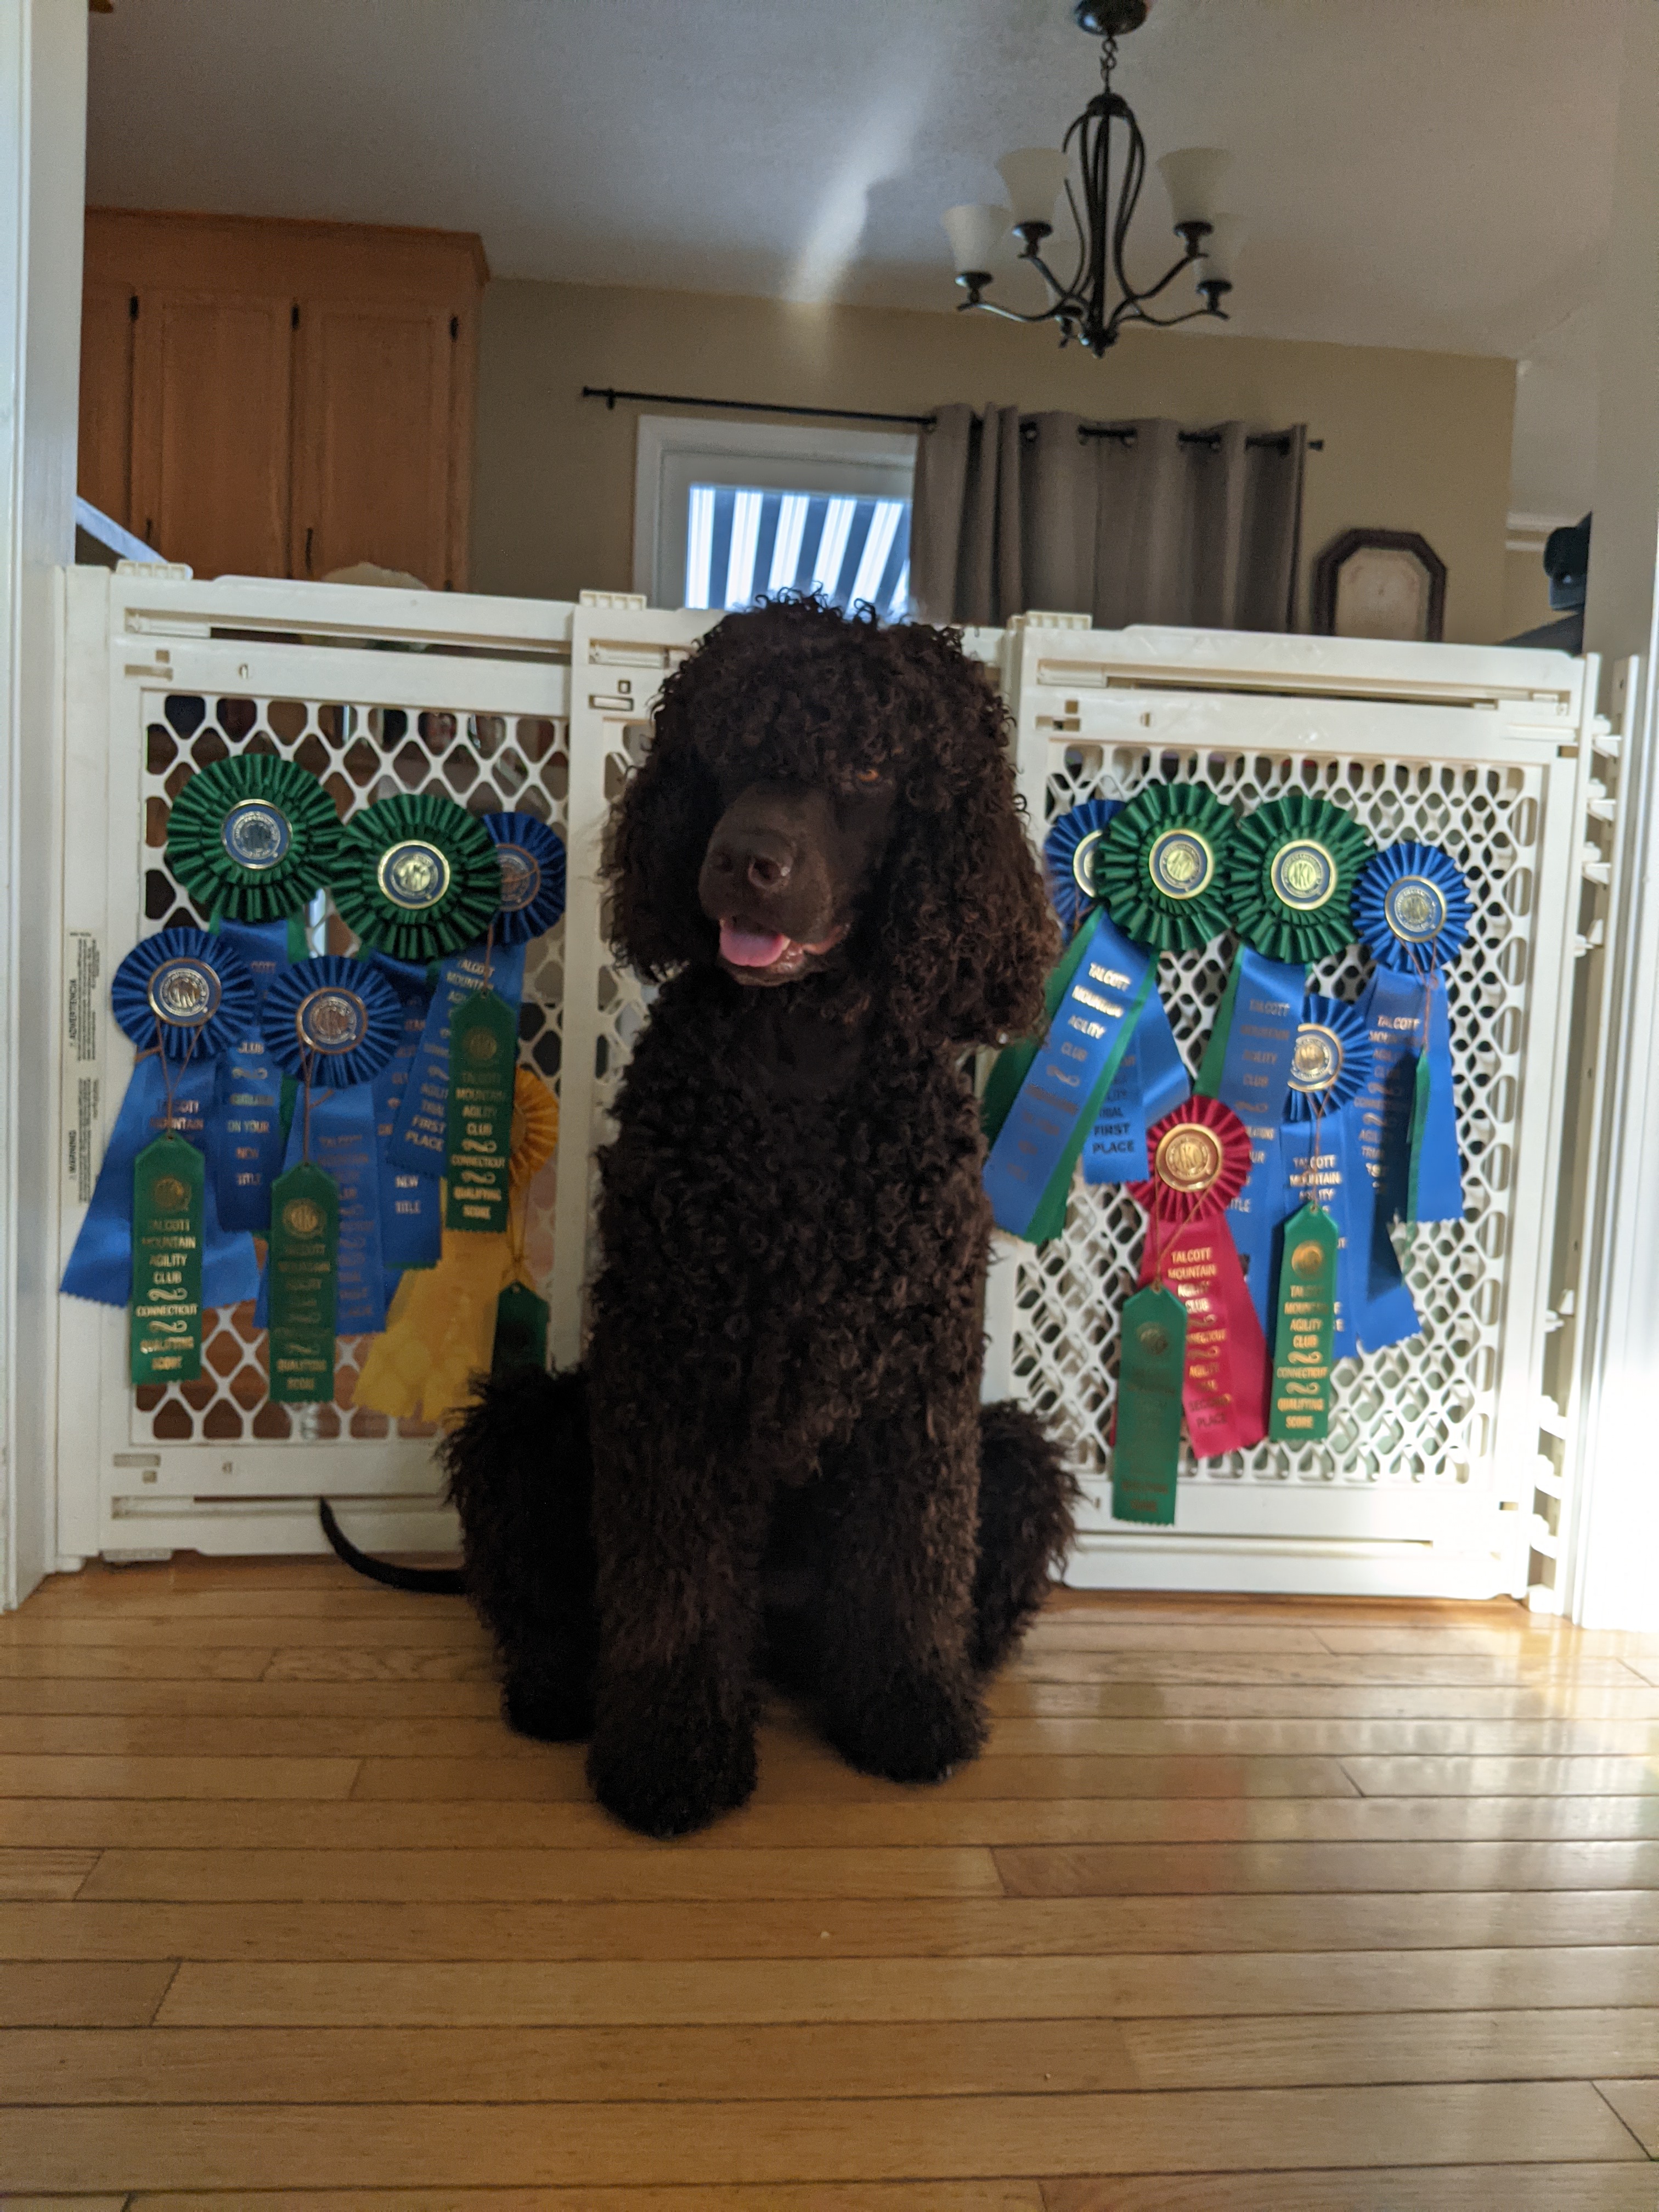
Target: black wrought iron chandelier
x,y
1098,299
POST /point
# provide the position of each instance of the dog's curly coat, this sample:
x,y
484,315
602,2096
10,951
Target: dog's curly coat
x,y
790,1467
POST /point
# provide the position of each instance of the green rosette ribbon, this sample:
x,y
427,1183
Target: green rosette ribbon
x,y
253,838
1160,866
1291,876
416,876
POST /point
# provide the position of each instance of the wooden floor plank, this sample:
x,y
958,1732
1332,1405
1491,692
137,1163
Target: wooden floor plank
x,y
44,1874
82,1993
1139,1870
494,1876
329,1993
165,1663
1504,1777
823,1928
1070,1665
485,1736
476,1696
451,1628
492,2065
1449,2189
1637,2103
558,1776
771,2197
91,2146
181,1777
917,1819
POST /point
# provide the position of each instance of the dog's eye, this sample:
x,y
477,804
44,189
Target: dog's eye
x,y
866,776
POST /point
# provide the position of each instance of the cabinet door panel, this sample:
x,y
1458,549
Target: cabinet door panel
x,y
104,456
212,411
371,479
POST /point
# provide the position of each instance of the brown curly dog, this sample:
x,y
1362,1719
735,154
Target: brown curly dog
x,y
775,1459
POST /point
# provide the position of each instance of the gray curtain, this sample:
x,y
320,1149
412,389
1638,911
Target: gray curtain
x,y
1146,527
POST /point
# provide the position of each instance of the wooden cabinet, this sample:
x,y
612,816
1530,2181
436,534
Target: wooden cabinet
x,y
282,398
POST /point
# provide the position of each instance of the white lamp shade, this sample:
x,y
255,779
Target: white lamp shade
x,y
975,233
1192,177
1220,249
1034,177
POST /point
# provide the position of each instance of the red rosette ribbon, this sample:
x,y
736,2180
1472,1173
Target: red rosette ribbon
x,y
1201,1158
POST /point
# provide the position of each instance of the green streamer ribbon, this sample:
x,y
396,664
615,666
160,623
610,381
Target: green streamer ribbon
x,y
483,1055
1160,866
253,838
1306,1331
169,1206
416,876
305,1244
521,1326
1146,1446
1291,875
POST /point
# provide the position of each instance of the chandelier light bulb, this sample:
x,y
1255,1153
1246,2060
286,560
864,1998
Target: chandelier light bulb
x,y
1220,249
975,234
1035,176
1193,177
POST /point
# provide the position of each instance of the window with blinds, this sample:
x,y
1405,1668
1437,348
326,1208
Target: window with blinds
x,y
741,541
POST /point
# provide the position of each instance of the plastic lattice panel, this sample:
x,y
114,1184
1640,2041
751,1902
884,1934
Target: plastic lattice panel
x,y
363,752
1418,1412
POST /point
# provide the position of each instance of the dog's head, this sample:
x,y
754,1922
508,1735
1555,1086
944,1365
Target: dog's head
x,y
830,802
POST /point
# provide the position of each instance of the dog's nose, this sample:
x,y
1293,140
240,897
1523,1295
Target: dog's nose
x,y
760,857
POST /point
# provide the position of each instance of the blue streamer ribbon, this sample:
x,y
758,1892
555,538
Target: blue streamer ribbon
x,y
1390,1009
419,1140
100,1266
1324,1161
1151,1081
1086,1039
1438,1178
342,1141
412,1215
1261,1011
245,1152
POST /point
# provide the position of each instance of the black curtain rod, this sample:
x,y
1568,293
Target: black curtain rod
x,y
1124,431
754,406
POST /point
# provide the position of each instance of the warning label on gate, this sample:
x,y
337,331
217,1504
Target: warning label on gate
x,y
83,968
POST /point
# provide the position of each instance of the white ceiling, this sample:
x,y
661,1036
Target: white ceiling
x,y
1413,173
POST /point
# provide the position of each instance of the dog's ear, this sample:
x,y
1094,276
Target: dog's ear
x,y
654,841
968,935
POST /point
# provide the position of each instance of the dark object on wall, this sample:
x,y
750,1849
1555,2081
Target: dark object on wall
x,y
1566,563
1129,522
1382,584
787,1332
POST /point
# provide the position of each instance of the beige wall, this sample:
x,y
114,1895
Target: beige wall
x,y
1526,594
1413,441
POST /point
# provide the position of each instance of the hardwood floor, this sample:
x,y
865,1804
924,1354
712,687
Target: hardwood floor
x,y
1251,1906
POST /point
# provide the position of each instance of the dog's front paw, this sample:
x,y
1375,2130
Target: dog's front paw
x,y
668,1757
916,1729
552,1710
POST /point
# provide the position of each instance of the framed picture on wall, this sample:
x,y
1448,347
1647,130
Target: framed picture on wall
x,y
1380,583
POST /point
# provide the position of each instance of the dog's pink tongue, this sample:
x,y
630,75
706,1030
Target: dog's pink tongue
x,y
749,948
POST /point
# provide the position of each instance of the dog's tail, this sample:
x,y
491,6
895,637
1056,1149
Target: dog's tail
x,y
449,1580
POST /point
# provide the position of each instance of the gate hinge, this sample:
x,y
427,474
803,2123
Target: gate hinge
x,y
1595,869
1592,942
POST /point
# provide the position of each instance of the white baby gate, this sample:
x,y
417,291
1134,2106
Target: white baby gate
x,y
1428,1482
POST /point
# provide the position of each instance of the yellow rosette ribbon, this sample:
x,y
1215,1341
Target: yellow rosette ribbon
x,y
441,1329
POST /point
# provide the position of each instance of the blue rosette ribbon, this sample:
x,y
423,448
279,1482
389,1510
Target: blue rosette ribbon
x,y
1414,912
183,997
334,1024
531,860
1071,852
